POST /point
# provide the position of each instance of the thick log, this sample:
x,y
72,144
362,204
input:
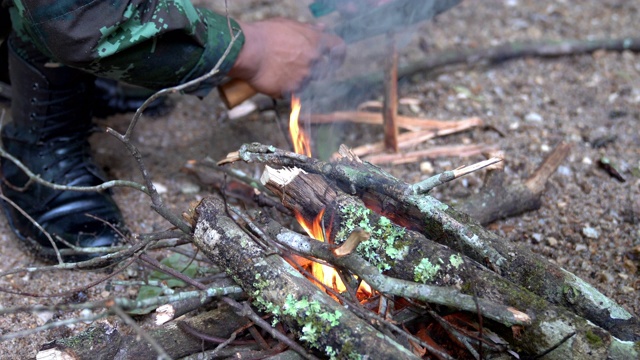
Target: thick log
x,y
105,341
278,288
409,255
440,222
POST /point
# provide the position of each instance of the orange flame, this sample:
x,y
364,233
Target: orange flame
x,y
301,143
324,273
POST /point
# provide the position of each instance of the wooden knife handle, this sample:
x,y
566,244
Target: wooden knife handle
x,y
235,91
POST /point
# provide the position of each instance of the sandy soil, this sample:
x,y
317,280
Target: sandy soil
x,y
589,222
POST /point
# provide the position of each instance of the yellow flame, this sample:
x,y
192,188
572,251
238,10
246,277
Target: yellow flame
x,y
301,143
326,274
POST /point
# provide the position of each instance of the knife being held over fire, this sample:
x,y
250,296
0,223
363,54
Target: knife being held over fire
x,y
362,21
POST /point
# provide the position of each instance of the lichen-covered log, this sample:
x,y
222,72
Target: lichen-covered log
x,y
440,222
277,288
103,341
408,255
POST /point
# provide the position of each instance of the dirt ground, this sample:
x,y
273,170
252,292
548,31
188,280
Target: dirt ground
x,y
589,222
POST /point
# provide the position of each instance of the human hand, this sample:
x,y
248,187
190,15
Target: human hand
x,y
280,56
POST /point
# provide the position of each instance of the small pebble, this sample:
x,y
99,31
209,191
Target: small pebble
x,y
553,242
564,170
86,313
426,167
514,125
545,148
511,3
189,188
590,232
607,277
44,316
533,117
587,161
537,237
623,276
581,247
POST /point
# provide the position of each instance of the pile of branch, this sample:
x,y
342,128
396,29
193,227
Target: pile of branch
x,y
433,271
428,253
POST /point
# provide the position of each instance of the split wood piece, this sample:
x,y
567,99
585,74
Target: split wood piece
x,y
105,341
390,103
431,153
395,199
498,200
279,288
374,118
412,138
407,255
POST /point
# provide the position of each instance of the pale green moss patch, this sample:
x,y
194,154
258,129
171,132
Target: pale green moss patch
x,y
456,260
425,271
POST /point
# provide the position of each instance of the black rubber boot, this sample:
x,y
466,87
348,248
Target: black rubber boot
x,y
51,110
113,97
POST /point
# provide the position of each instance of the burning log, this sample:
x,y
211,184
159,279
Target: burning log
x,y
401,203
408,256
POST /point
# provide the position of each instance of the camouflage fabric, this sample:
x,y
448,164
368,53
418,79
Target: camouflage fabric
x,y
149,43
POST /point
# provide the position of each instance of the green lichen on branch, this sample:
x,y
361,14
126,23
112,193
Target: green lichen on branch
x,y
385,245
309,315
261,302
426,271
312,322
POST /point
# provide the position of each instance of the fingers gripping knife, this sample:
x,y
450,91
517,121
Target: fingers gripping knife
x,y
364,22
